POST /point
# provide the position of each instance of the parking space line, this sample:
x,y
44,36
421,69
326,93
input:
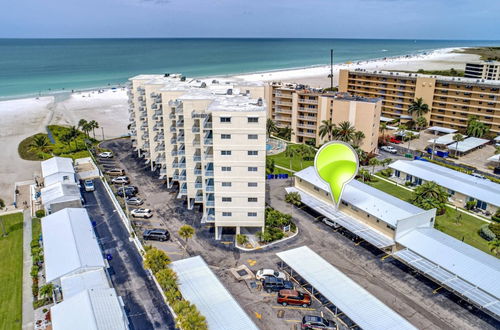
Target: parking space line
x,y
293,321
293,307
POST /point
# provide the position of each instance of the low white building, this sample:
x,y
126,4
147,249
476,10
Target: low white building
x,y
92,279
92,309
58,169
60,195
69,244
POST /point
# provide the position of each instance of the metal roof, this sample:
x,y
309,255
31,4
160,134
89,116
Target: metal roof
x,y
57,164
372,201
481,189
60,192
442,129
468,144
497,138
76,283
202,288
93,309
63,177
69,243
353,300
354,226
444,139
386,119
494,158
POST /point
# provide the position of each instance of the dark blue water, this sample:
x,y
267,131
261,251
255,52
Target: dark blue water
x,y
32,66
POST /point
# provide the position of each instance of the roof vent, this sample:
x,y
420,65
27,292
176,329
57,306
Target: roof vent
x,y
259,102
230,91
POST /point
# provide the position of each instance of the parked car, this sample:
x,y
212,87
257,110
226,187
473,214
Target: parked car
x,y
317,322
134,201
120,180
389,149
106,154
156,235
141,213
115,172
330,223
263,273
127,191
89,185
273,284
293,297
394,140
477,175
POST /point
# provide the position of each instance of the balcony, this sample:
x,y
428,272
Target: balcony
x,y
180,123
198,185
173,129
173,140
171,115
198,198
308,101
146,146
208,141
197,158
159,137
180,139
197,171
209,173
195,129
281,110
145,136
209,188
160,147
181,152
210,203
207,125
174,104
284,103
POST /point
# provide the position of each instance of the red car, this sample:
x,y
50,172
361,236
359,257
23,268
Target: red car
x,y
394,140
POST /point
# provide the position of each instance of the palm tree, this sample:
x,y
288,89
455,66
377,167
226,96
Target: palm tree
x,y
285,133
408,137
73,134
86,128
293,198
476,128
382,129
430,195
270,127
418,107
93,125
40,143
270,165
346,132
402,129
186,232
290,153
457,138
47,290
358,138
386,162
373,162
364,175
156,260
66,139
327,129
420,123
81,123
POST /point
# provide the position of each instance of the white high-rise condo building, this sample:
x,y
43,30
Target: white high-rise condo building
x,y
209,137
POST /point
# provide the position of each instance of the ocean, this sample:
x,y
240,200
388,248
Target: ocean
x,y
43,66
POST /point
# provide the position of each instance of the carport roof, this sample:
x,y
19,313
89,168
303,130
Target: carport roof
x,y
69,243
442,129
468,144
201,287
76,283
57,164
93,309
353,300
481,189
60,192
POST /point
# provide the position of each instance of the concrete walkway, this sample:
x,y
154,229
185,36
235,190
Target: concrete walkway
x,y
28,313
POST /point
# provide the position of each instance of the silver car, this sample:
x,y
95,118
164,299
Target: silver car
x,y
134,201
141,213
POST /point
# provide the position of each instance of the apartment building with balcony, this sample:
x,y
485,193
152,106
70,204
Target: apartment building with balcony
x,y
208,137
489,70
452,100
303,109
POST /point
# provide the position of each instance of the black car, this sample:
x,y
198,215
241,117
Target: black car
x,y
310,322
274,284
156,235
129,192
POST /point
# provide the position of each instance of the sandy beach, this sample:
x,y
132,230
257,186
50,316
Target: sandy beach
x,y
24,117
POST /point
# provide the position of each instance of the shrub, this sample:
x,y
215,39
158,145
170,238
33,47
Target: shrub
x,y
156,260
34,244
241,239
34,271
40,213
470,205
496,216
495,228
407,183
2,204
386,172
486,233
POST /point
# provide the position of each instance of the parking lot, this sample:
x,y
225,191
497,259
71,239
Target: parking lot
x,y
406,292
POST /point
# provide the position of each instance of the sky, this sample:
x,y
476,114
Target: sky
x,y
393,19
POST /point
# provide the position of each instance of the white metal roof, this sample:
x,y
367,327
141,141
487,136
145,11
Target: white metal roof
x,y
468,144
93,309
76,283
63,177
444,139
354,226
353,300
57,164
442,129
373,201
473,265
494,158
201,287
481,189
69,243
497,138
60,192
386,119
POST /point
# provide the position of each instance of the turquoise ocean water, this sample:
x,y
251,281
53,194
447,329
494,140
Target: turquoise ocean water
x,y
32,66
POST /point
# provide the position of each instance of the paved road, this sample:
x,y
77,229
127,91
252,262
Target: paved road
x,y
143,302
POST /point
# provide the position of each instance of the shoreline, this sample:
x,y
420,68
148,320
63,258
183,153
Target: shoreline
x,y
249,75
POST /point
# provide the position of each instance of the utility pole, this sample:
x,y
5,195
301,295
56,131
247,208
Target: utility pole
x,y
331,69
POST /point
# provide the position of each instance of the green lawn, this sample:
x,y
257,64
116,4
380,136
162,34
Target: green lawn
x,y
281,160
11,272
466,228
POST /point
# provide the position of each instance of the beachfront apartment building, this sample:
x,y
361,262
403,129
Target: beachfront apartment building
x,y
303,109
489,70
209,138
452,100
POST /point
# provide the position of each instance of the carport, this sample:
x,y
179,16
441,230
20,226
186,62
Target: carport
x,y
468,145
351,304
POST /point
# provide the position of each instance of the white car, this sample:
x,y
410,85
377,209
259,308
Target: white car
x,y
330,223
120,180
89,185
389,149
106,154
141,213
262,273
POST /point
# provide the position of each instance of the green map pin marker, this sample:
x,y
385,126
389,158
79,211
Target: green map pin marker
x,y
336,164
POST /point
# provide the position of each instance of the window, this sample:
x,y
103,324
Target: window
x,y
226,168
252,136
253,119
227,199
227,214
316,188
252,169
252,214
252,184
226,184
225,152
252,199
225,136
225,119
253,153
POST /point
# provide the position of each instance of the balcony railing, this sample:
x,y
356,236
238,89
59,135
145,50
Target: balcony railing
x,y
209,188
181,152
198,198
197,171
209,173
208,157
208,141
198,185
210,203
195,129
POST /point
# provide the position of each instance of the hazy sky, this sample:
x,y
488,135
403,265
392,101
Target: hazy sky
x,y
413,19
